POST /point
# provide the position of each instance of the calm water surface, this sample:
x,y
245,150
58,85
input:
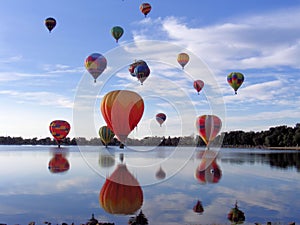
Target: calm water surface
x,y
265,184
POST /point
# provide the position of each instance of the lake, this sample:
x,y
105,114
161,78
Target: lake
x,y
47,184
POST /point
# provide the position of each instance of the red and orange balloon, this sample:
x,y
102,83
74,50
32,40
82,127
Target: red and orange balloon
x,y
59,130
122,110
121,193
208,127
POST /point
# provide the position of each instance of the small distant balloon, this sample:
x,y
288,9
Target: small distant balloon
x,y
235,80
117,32
135,64
50,23
95,64
59,130
145,8
198,85
160,118
142,72
183,59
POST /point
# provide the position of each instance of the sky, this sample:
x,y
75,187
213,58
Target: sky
x,y
43,78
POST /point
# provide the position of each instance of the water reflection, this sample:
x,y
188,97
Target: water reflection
x,y
160,174
279,159
208,171
198,208
236,216
59,163
121,193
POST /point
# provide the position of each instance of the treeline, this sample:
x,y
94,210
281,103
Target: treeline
x,y
280,136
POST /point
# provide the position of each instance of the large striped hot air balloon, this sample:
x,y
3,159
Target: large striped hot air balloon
x,y
121,193
95,64
106,134
235,80
122,110
145,8
59,130
183,59
208,127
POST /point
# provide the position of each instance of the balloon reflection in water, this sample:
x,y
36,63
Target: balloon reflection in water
x,y
59,163
160,174
121,193
198,208
236,216
106,160
208,170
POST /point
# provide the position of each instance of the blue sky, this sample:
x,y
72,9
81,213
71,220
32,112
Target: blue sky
x,y
41,73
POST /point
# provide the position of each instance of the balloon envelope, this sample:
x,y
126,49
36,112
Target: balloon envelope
x,y
122,110
208,127
142,72
135,64
59,129
235,80
145,8
160,118
198,85
106,134
50,23
183,59
95,64
121,193
117,32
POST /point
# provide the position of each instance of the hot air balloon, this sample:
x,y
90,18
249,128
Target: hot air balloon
x,y
198,208
122,110
208,171
183,59
58,164
59,130
50,23
142,72
235,80
106,134
198,85
236,216
160,118
160,174
208,127
117,32
95,64
145,8
121,193
135,64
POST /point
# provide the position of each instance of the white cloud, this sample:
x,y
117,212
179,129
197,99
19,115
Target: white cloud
x,y
40,98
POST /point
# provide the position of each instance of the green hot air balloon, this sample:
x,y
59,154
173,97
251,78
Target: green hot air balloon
x,y
117,32
235,80
106,134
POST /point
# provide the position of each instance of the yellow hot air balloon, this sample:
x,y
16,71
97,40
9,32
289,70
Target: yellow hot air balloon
x,y
183,59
